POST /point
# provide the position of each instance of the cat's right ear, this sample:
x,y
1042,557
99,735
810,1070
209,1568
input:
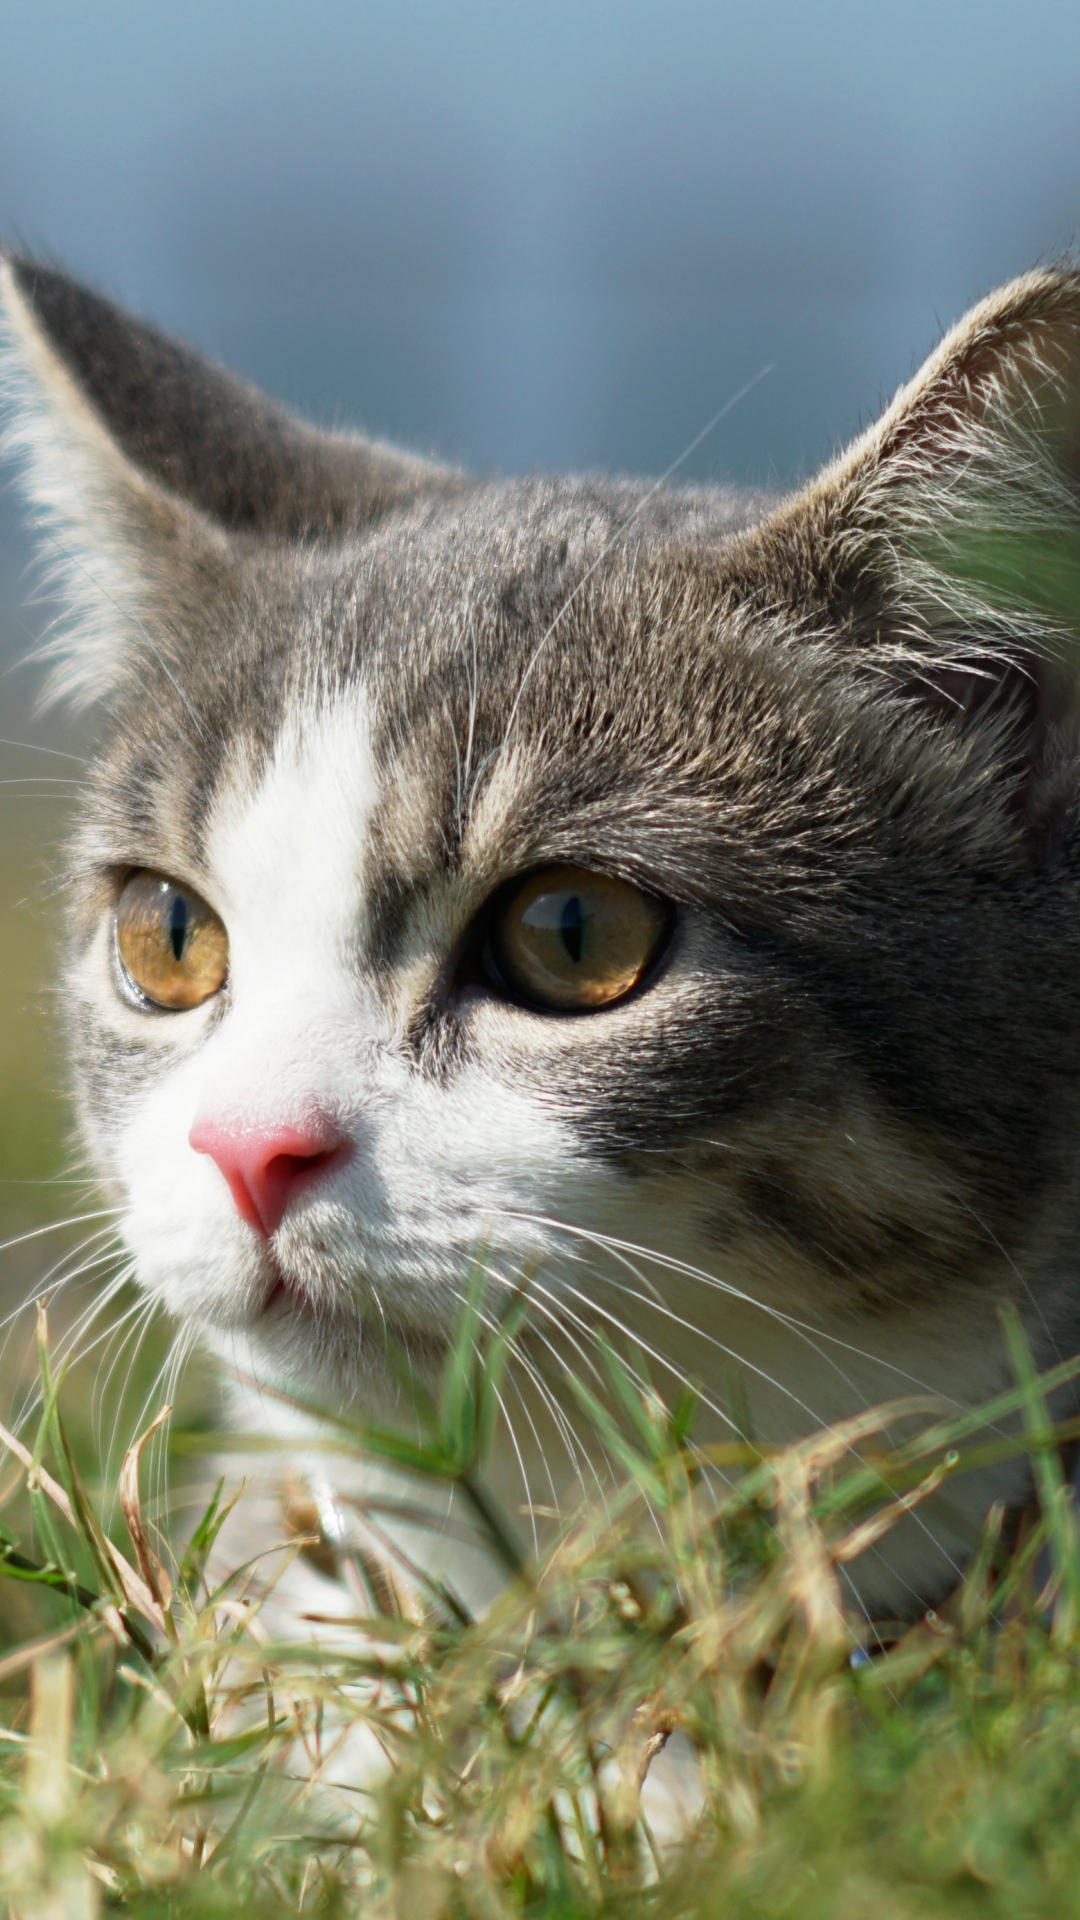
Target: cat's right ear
x,y
150,473
940,555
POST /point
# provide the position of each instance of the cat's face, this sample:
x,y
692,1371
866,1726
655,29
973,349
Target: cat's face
x,y
415,961
676,916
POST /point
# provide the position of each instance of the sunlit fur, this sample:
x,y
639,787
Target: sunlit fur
x,y
349,696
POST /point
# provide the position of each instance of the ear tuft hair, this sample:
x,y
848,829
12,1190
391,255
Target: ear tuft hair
x,y
86,502
943,548
958,513
971,480
145,466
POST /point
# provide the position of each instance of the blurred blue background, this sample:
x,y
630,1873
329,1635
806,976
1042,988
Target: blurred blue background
x,y
553,234
523,236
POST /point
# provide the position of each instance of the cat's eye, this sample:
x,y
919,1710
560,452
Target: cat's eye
x,y
171,946
569,940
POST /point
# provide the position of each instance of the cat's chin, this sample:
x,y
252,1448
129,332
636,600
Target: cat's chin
x,y
292,1309
285,1296
296,1342
335,1353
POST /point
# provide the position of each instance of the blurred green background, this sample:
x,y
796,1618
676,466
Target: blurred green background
x,y
37,787
44,1244
41,763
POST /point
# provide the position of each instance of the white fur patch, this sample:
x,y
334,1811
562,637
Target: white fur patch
x,y
436,1170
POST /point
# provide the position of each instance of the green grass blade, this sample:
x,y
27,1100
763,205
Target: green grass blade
x,y
1055,1495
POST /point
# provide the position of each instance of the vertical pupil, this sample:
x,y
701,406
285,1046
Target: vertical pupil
x,y
572,927
178,925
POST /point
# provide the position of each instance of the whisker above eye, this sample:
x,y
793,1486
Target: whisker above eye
x,y
691,447
42,782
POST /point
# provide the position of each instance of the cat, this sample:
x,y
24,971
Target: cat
x,y
668,896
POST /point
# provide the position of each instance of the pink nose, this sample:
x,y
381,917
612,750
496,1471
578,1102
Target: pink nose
x,y
266,1167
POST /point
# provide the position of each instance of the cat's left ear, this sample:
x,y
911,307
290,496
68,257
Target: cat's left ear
x,y
943,548
151,473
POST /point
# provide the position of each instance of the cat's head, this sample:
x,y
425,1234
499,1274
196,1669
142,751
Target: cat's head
x,y
668,897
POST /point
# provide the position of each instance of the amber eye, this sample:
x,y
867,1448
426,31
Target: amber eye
x,y
171,945
569,939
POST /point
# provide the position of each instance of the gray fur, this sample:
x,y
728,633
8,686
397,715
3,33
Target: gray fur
x,y
830,732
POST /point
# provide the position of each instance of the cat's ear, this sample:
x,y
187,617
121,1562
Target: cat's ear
x,y
150,472
944,546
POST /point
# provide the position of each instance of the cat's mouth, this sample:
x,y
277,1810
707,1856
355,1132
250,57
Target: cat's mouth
x,y
279,1295
288,1299
285,1296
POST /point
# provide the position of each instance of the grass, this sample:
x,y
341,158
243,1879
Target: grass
x,y
161,1756
165,1756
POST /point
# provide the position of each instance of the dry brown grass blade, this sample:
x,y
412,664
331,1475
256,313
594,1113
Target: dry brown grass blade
x,y
136,1592
43,1478
24,1656
154,1573
811,1579
879,1524
47,1778
822,1450
655,1743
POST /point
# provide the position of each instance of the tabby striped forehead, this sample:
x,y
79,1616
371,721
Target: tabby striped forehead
x,y
476,640
359,857
397,728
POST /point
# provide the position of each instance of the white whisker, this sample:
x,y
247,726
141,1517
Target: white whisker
x,y
35,746
58,1226
557,1309
810,1335
650,494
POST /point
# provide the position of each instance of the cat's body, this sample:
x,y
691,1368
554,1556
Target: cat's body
x,y
822,756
